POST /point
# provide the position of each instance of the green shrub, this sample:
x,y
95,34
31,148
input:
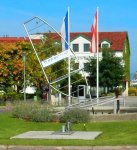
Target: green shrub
x,y
2,100
32,111
75,115
23,110
41,115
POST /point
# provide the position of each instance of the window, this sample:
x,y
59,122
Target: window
x,y
86,66
86,47
75,47
105,45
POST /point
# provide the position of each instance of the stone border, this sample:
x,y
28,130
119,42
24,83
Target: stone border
x,y
13,147
113,117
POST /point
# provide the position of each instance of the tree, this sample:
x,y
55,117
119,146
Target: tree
x,y
111,71
11,65
45,50
91,69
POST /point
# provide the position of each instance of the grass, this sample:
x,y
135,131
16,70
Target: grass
x,y
114,133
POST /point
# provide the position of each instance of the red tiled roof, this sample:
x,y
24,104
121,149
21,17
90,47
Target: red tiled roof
x,y
12,39
116,38
15,39
73,35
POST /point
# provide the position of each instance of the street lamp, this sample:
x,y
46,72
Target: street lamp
x,y
24,63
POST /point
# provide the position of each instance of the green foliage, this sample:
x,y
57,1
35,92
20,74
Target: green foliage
x,y
32,111
110,70
41,115
2,102
11,95
75,115
132,91
23,110
45,50
91,69
117,92
126,57
12,64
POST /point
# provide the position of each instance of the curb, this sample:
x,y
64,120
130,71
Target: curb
x,y
14,147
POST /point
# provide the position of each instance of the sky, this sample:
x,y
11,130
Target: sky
x,y
114,15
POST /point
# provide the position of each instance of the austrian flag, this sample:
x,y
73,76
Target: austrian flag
x,y
94,33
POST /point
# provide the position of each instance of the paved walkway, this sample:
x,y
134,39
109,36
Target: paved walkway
x,y
57,135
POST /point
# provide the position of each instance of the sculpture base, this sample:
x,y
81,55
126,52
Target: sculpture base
x,y
63,133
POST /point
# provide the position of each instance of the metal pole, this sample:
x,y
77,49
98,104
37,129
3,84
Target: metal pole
x,y
97,62
69,61
24,61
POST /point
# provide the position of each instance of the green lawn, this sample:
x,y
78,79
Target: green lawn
x,y
114,133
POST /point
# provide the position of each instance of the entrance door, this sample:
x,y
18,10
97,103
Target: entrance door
x,y
81,93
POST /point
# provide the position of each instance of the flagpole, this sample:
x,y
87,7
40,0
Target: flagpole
x,y
69,79
97,62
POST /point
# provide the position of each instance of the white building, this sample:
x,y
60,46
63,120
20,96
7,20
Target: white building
x,y
118,42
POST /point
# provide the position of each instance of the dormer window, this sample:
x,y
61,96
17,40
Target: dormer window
x,y
105,44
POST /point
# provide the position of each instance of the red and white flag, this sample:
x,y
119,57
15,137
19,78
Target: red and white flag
x,y
93,48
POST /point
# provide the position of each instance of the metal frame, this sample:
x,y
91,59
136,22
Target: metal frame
x,y
45,22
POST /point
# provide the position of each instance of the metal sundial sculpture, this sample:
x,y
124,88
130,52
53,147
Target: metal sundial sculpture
x,y
36,26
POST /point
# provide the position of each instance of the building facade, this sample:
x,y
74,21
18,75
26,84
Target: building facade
x,y
118,42
80,42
